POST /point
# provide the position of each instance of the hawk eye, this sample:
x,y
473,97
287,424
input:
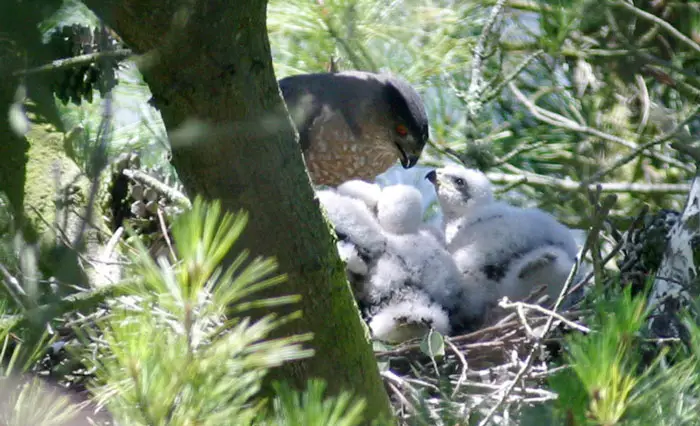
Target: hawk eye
x,y
401,130
459,181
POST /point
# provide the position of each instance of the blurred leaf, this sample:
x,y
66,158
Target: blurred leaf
x,y
433,344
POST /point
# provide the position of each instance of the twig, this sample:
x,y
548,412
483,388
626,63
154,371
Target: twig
x,y
644,101
61,233
548,325
465,366
538,308
632,155
60,64
111,245
525,5
105,257
558,120
660,22
603,262
691,151
164,230
521,315
519,150
13,287
569,185
511,385
476,81
512,76
391,377
163,189
594,237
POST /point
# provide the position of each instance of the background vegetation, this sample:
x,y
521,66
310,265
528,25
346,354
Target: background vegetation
x,y
551,98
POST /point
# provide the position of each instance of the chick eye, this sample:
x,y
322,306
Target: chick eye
x,y
401,130
459,181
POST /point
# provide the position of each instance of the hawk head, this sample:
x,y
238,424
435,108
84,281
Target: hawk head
x,y
409,120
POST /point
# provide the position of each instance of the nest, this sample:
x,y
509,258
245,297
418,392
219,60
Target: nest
x,y
488,373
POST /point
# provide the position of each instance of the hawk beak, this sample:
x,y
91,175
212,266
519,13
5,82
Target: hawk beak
x,y
406,161
409,155
432,177
409,161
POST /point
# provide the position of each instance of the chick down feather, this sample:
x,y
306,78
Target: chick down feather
x,y
504,250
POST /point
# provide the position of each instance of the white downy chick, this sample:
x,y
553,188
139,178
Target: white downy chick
x,y
421,255
459,191
395,306
408,316
431,267
369,193
547,264
400,209
502,249
387,277
353,222
361,241
353,259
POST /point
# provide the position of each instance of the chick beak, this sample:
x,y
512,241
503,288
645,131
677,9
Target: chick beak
x,y
432,177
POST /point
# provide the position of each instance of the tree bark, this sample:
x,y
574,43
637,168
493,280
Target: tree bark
x,y
209,67
675,284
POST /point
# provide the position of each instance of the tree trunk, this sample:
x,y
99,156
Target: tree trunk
x,y
675,284
209,67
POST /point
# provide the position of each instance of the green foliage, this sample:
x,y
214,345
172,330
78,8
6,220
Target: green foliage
x,y
609,381
175,346
604,363
24,399
171,356
310,408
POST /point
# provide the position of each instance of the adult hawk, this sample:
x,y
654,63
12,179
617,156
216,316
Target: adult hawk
x,y
355,125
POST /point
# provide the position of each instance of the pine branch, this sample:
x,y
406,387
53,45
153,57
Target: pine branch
x,y
173,194
570,185
560,121
660,22
60,64
476,83
639,150
524,5
512,76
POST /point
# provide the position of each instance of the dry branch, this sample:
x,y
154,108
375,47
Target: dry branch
x,y
60,64
570,185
